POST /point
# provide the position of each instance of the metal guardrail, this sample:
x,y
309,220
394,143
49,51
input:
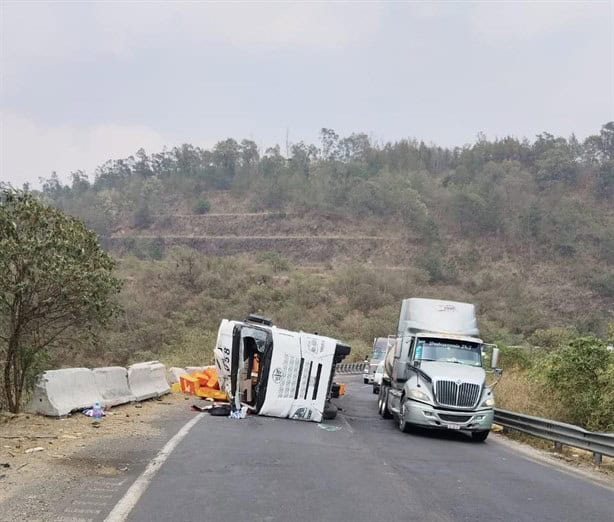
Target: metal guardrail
x,y
559,432
351,368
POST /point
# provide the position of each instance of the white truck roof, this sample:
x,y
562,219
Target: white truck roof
x,y
438,317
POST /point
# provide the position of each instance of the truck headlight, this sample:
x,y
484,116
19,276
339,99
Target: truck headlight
x,y
489,403
419,396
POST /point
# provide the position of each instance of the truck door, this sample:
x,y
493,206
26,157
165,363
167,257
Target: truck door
x,y
223,353
401,357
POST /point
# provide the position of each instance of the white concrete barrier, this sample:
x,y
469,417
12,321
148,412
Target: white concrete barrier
x,y
173,374
112,384
147,380
192,369
58,392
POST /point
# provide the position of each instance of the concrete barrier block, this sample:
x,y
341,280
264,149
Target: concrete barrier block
x,y
58,392
192,369
147,380
112,384
173,374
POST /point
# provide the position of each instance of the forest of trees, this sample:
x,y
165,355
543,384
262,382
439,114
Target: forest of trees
x,y
551,197
552,192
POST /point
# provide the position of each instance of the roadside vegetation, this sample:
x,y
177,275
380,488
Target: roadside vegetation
x,y
56,287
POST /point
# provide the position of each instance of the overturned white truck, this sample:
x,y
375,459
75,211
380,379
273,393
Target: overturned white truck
x,y
276,372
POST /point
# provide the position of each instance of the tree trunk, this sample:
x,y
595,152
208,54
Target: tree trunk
x,y
12,388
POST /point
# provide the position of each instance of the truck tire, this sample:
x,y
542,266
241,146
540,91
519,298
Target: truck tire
x,y
375,390
404,426
366,381
330,412
479,436
385,412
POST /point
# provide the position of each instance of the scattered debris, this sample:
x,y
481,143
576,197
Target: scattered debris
x,y
4,465
196,407
329,427
204,383
28,437
222,410
238,414
34,450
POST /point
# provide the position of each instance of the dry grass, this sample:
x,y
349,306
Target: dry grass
x,y
517,392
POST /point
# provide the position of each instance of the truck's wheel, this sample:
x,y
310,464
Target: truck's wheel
x,y
375,390
479,436
404,426
385,412
330,412
366,381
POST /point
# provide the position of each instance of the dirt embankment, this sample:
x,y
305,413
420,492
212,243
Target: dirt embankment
x,y
42,459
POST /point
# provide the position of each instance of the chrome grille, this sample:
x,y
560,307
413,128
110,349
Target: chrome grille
x,y
463,395
454,418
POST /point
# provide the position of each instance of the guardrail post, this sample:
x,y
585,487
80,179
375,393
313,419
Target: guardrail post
x,y
597,458
558,447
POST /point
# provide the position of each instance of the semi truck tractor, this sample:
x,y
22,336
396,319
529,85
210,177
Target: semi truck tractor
x,y
276,372
434,375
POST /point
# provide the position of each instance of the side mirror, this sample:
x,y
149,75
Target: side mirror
x,y
495,358
416,363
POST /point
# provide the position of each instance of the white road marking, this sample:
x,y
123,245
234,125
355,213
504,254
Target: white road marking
x,y
125,505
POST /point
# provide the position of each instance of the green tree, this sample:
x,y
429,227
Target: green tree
x,y
55,284
577,374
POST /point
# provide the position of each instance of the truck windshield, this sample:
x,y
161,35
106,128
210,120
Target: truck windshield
x,y
445,350
380,347
378,355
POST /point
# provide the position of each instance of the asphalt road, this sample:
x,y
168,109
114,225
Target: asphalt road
x,y
264,469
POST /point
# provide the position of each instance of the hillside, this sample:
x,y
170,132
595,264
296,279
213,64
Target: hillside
x,y
331,237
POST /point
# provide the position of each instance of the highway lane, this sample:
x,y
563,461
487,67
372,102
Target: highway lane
x,y
264,469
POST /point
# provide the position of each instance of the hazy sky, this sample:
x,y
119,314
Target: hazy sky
x,y
87,82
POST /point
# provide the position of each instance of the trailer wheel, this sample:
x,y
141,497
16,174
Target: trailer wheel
x,y
479,436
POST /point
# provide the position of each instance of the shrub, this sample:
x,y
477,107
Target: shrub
x,y
578,375
202,206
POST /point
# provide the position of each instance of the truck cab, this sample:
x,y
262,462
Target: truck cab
x,y
434,375
277,372
380,348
